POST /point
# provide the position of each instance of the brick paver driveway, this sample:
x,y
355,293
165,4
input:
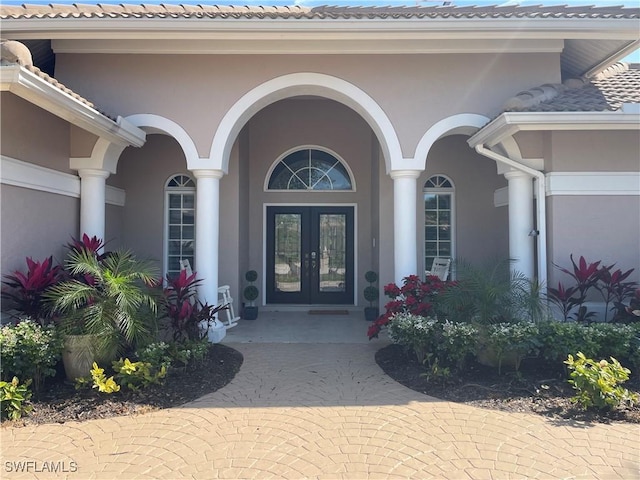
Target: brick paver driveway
x,y
321,411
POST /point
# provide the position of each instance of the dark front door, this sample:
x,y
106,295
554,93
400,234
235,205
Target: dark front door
x,y
310,255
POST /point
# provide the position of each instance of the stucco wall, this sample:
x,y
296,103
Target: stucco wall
x,y
603,228
195,91
32,135
291,123
35,224
143,173
593,151
481,229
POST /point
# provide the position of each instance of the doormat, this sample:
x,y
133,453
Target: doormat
x,y
328,312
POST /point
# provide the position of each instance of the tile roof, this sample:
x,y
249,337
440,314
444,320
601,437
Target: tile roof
x,y
607,91
24,11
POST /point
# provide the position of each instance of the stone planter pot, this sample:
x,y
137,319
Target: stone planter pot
x,y
213,329
78,355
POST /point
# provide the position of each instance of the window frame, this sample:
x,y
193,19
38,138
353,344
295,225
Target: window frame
x,y
168,190
328,151
439,190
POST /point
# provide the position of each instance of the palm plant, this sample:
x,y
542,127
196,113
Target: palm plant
x,y
492,294
111,296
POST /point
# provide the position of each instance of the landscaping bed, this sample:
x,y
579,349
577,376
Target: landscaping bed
x,y
60,402
537,388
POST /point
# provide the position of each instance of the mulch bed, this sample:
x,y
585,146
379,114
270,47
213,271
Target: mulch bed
x,y
538,388
60,402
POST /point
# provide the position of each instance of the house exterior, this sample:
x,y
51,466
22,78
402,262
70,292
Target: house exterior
x,y
315,144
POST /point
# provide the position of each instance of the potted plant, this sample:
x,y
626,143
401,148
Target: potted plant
x,y
250,294
371,294
107,306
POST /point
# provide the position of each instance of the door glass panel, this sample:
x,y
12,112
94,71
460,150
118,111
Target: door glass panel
x,y
287,245
332,252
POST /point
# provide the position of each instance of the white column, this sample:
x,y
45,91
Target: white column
x,y
521,241
207,232
92,201
405,253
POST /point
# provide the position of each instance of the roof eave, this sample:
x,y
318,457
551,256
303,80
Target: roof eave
x,y
30,87
509,123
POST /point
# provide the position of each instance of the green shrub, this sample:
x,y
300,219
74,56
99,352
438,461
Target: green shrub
x,y
519,340
29,351
602,340
597,383
459,341
13,397
137,375
414,332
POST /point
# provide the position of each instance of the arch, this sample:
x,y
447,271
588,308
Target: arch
x,y
294,84
462,123
151,123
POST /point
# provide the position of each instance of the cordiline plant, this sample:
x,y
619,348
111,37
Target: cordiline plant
x,y
182,308
25,290
611,284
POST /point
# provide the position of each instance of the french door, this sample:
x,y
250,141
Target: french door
x,y
310,255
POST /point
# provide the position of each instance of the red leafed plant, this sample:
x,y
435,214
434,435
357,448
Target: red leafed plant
x,y
415,296
26,290
611,284
182,308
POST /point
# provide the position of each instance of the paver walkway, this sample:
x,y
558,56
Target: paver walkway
x,y
322,411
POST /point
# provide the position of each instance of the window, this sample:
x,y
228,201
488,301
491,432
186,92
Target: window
x,y
438,219
180,221
310,169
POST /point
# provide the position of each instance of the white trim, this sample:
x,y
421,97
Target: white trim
x,y
310,147
510,123
303,83
34,177
305,42
165,214
38,91
307,204
593,183
441,191
462,123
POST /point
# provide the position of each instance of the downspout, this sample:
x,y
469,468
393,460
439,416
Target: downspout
x,y
541,204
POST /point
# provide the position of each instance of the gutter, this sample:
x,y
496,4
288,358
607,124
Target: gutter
x,y
541,206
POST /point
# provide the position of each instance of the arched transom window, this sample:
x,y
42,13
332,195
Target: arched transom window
x,y
180,236
310,169
439,225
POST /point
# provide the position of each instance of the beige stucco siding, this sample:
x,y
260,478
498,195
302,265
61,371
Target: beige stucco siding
x,y
481,229
599,151
603,228
327,124
143,173
22,123
35,224
196,91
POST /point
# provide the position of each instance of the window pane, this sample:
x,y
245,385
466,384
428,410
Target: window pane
x,y
310,169
444,217
444,201
430,202
430,218
287,267
188,200
431,233
174,232
444,233
174,247
187,217
174,217
333,239
432,250
188,232
174,201
444,249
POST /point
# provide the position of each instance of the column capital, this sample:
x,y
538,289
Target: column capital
x,y
93,172
511,174
405,174
207,173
